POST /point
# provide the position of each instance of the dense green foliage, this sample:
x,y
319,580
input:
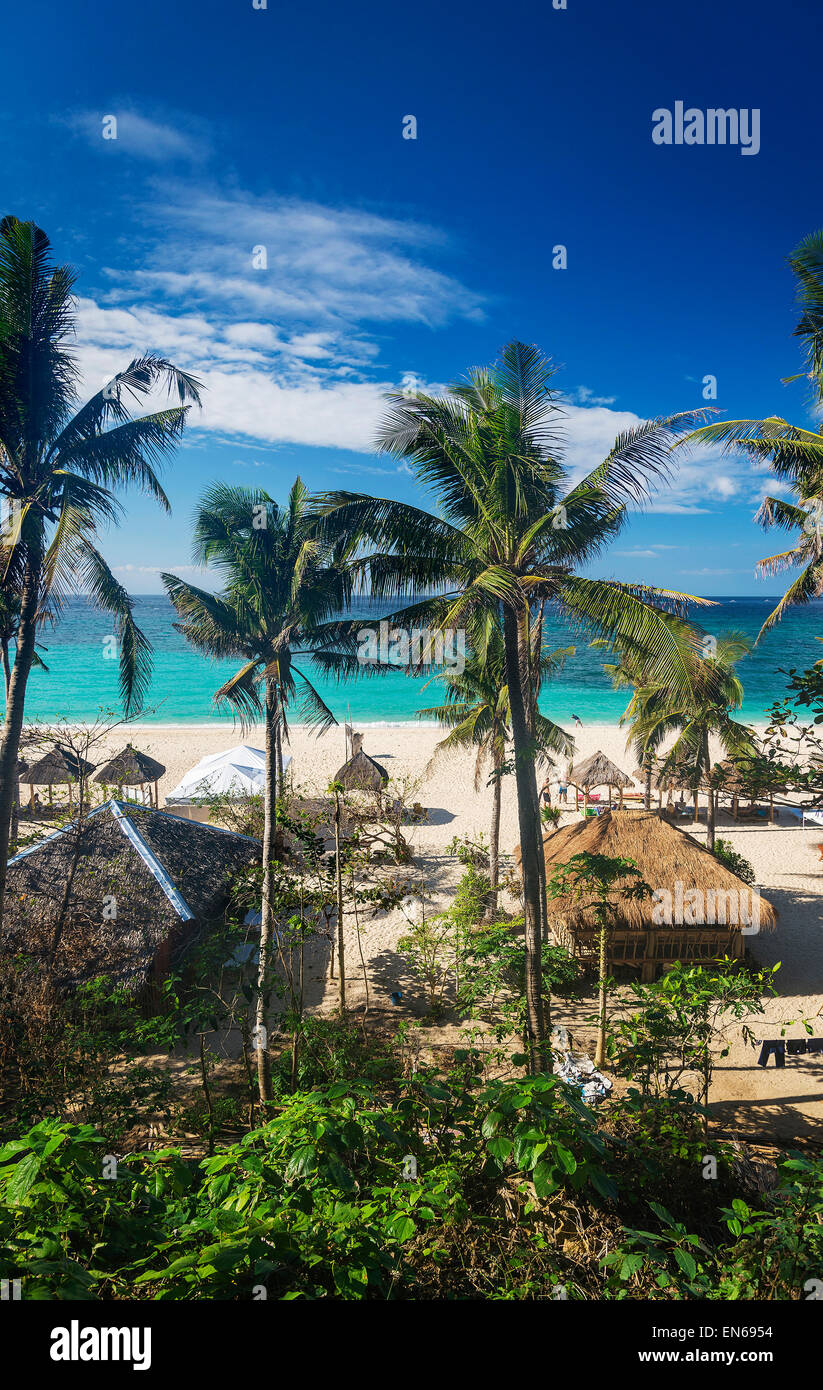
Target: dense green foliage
x,y
422,1187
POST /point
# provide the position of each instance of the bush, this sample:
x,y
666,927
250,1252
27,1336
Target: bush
x,y
737,863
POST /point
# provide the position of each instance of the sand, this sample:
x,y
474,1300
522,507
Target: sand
x,y
750,1100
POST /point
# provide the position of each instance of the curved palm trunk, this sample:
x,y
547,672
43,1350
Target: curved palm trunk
x,y
530,846
494,834
267,907
15,708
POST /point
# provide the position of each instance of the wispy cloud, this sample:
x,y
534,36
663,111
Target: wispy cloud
x,y
286,350
175,139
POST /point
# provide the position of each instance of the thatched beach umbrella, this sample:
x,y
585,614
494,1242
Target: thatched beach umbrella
x,y
678,776
361,773
131,768
753,777
598,771
57,767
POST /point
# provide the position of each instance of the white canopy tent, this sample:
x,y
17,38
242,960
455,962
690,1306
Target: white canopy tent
x,y
237,773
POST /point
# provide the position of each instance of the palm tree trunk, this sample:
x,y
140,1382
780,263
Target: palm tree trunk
x,y
338,879
281,786
6,667
267,907
710,809
529,824
525,663
494,834
15,708
600,1050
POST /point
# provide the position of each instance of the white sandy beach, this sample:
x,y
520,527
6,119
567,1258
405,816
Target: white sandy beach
x,y
789,871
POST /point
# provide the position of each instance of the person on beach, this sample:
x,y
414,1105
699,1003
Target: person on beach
x,y
562,792
546,793
578,721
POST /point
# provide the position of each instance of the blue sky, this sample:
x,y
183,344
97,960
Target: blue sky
x,y
391,258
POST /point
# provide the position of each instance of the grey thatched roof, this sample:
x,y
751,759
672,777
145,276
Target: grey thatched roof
x,y
362,773
129,768
58,765
166,877
598,771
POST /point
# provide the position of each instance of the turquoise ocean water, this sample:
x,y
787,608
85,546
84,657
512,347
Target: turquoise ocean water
x,y
81,681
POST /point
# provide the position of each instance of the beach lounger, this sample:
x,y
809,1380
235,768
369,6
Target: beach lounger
x,y
813,818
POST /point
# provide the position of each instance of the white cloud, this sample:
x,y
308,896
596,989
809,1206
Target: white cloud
x,y
176,138
325,266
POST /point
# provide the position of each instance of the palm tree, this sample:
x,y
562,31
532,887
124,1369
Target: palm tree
x,y
58,466
699,716
794,454
628,670
510,533
477,712
9,628
279,597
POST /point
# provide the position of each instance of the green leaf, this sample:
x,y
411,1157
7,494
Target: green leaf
x,y
543,1179
686,1262
24,1177
401,1228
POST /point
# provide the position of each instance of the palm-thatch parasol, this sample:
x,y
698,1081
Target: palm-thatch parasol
x,y
598,771
131,768
753,777
687,878
678,776
361,773
60,765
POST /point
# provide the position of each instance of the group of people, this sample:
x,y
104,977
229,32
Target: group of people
x,y
562,791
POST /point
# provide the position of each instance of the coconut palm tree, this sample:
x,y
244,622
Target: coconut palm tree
x,y
58,466
628,671
794,454
279,597
477,713
698,716
511,530
9,628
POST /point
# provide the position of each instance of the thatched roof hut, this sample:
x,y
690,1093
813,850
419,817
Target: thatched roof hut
x,y
145,884
130,768
361,773
60,766
698,908
598,771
